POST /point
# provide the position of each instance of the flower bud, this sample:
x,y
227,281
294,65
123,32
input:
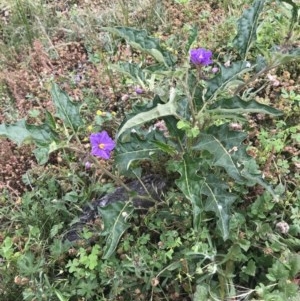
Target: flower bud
x,y
139,90
215,70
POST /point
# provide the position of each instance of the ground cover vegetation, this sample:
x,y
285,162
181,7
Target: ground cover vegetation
x,y
204,94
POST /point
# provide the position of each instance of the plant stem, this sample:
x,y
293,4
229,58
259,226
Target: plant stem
x,y
117,180
254,77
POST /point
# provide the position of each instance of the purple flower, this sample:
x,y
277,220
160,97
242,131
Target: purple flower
x,y
87,165
102,145
139,90
200,56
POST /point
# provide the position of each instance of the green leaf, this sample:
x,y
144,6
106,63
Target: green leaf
x,y
16,132
190,184
42,134
277,271
7,248
166,148
253,176
131,70
157,112
66,110
294,263
91,261
280,58
203,292
205,193
136,146
250,268
41,154
221,145
260,63
295,9
50,120
115,218
225,77
229,152
218,201
140,40
171,123
45,139
61,296
193,34
247,27
195,89
29,264
235,253
236,105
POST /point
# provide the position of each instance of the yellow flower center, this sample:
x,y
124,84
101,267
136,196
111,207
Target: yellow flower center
x,y
101,145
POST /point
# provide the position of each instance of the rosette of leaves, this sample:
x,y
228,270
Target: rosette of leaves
x,y
206,153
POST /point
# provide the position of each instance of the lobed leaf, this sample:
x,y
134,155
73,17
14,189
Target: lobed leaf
x,y
190,183
247,27
42,135
22,131
193,34
221,146
218,201
131,70
66,110
136,146
115,216
236,105
140,40
42,154
230,153
280,57
295,9
224,78
157,112
45,139
16,132
205,193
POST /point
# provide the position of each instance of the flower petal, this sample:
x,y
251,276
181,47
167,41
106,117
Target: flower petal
x,y
200,56
103,139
